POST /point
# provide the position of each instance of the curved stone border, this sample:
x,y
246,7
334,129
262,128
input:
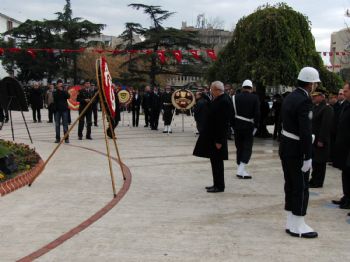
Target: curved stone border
x,y
21,180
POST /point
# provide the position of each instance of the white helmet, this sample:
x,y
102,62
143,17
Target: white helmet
x,y
247,83
309,75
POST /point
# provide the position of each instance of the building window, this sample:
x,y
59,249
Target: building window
x,y
9,25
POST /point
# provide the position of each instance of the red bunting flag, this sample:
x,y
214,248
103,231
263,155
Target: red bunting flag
x,y
32,53
336,53
132,51
195,54
211,54
117,52
2,51
14,50
330,53
178,55
161,56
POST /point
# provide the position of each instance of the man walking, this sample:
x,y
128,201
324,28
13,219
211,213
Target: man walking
x,y
36,102
212,141
245,123
321,128
84,97
60,97
296,152
342,149
135,108
155,108
49,102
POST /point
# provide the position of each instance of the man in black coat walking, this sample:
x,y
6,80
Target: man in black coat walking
x,y
167,108
135,108
245,122
321,127
342,149
36,101
155,108
296,152
84,97
212,142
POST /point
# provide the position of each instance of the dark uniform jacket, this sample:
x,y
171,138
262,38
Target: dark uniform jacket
x,y
60,100
166,101
248,106
322,120
296,119
136,102
215,129
342,142
36,98
146,101
84,94
155,102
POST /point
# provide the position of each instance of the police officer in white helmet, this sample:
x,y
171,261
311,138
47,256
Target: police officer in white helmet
x,y
245,123
296,152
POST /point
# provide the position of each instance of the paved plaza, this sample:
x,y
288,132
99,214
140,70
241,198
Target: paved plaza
x,y
166,215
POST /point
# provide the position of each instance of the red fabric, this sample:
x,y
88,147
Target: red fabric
x,y
330,53
178,55
2,51
195,54
107,86
161,56
211,54
31,53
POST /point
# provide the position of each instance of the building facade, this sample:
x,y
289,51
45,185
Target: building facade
x,y
6,23
339,55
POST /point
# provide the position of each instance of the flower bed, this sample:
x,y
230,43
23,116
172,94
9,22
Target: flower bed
x,y
24,157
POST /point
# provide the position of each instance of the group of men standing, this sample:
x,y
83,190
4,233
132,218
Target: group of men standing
x,y
307,125
153,103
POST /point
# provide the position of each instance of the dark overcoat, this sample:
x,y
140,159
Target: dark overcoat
x,y
321,127
215,129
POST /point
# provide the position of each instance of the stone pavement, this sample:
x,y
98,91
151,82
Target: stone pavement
x,y
166,215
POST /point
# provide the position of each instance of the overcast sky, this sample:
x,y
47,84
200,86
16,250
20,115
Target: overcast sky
x,y
326,16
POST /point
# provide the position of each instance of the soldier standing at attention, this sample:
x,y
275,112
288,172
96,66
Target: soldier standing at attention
x,y
296,152
245,123
168,109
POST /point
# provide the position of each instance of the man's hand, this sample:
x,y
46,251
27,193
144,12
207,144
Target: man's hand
x,y
218,146
306,165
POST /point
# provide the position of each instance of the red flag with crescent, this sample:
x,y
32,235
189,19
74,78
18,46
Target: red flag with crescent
x,y
211,54
161,56
195,54
107,87
178,55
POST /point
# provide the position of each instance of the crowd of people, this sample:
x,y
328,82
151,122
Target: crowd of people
x,y
313,130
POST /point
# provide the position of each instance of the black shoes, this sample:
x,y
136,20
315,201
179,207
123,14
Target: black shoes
x,y
345,205
89,137
208,187
80,138
303,235
244,177
57,141
66,141
215,190
338,202
315,186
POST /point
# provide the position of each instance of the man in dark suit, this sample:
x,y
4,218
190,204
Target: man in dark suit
x,y
167,108
342,149
135,108
296,152
84,97
245,122
147,104
212,141
155,108
321,127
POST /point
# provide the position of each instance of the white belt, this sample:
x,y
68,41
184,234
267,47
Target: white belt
x,y
237,116
290,135
245,119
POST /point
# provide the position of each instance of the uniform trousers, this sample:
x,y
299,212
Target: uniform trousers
x,y
88,116
345,176
36,114
296,186
318,173
135,116
147,116
168,114
244,144
217,166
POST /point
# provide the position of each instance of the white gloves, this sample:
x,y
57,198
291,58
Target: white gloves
x,y
254,131
306,165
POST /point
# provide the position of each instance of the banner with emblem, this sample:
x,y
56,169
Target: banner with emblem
x,y
105,85
125,96
73,104
183,99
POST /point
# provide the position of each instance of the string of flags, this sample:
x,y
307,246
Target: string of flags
x,y
342,53
177,54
